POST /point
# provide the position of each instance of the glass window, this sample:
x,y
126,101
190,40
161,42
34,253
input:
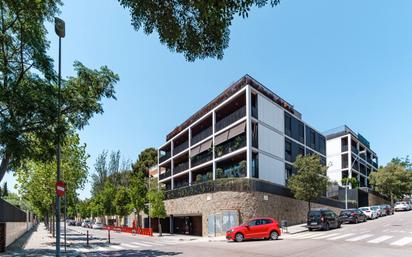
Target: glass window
x,y
288,124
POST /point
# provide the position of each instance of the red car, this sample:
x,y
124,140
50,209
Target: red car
x,y
267,228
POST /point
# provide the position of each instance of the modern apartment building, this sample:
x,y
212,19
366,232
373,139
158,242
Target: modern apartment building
x,y
247,131
349,155
231,161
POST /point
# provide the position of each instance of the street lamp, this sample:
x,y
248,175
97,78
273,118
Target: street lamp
x,y
59,28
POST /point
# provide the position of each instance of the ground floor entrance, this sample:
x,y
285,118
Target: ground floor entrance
x,y
184,225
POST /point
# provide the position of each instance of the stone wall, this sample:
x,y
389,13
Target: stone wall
x,y
376,200
249,205
14,230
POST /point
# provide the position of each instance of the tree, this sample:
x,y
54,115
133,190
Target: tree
x,y
146,159
138,193
352,181
37,179
122,202
157,206
5,190
405,162
28,89
392,180
310,181
198,29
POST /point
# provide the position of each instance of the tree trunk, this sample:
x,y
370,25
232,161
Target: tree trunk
x,y
309,205
5,161
160,227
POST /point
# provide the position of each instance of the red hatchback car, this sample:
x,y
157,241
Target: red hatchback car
x,y
267,228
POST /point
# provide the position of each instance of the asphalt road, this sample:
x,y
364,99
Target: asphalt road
x,y
386,236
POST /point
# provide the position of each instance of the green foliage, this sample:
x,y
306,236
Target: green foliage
x,y
311,181
392,180
352,181
138,191
28,89
146,159
14,199
405,162
198,29
157,206
37,179
121,202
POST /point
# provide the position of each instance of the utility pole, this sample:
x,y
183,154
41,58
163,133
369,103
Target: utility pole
x,y
59,28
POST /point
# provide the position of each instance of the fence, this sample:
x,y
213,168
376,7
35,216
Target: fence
x,y
136,230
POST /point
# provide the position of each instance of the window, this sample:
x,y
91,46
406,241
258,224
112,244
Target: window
x,y
288,150
294,128
254,223
266,221
288,124
255,165
344,173
254,106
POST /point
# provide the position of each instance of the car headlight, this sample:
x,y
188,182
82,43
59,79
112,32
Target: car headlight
x,y
230,231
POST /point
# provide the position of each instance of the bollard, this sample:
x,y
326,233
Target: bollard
x,y
87,237
108,232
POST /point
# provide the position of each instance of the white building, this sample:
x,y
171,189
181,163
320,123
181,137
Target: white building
x,y
246,131
349,155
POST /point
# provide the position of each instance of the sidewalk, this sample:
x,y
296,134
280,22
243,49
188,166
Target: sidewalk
x,y
37,242
295,229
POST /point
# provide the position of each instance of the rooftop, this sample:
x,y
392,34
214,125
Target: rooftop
x,y
343,130
235,87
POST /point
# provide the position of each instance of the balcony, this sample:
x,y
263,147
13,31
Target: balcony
x,y
164,157
254,112
231,118
201,158
231,145
375,164
355,150
180,148
344,148
180,184
181,167
201,135
236,171
167,174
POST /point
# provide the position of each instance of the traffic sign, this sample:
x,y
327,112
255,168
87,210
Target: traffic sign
x,y
60,188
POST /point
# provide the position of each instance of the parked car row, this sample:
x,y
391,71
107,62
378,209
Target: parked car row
x,y
325,219
85,224
403,206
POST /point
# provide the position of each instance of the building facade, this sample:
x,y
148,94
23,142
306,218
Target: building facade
x,y
247,131
349,155
246,136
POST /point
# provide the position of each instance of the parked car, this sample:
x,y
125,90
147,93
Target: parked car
x,y
322,219
254,229
369,212
97,225
352,216
71,222
387,209
402,206
377,209
86,223
78,223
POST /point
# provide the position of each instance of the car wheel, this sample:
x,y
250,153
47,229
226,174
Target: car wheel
x,y
310,229
339,225
274,235
239,237
326,226
355,221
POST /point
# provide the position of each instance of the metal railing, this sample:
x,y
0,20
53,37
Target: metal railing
x,y
181,167
231,145
181,147
201,135
201,158
231,118
167,174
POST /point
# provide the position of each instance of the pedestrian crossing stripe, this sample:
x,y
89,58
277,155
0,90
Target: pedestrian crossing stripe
x,y
326,236
358,238
403,241
380,239
116,247
128,245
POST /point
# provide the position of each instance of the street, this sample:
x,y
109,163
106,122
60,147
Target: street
x,y
386,236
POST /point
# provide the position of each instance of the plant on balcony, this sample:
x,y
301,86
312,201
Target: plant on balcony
x,y
209,175
199,178
219,150
220,173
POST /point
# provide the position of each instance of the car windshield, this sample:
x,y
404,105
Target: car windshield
x,y
314,214
364,209
346,212
374,208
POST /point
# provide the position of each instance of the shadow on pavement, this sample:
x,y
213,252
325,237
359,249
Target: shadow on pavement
x,y
135,253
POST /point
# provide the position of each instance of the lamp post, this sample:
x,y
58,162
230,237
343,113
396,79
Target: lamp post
x,y
59,28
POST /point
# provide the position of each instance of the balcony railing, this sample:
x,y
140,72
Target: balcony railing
x,y
181,184
201,158
164,157
236,171
344,148
231,118
375,164
231,145
167,174
181,167
180,148
201,135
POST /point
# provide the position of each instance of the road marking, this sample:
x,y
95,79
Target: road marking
x,y
326,236
309,235
379,239
358,238
341,236
116,247
141,244
128,245
101,249
403,241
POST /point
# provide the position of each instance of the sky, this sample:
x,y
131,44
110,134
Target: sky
x,y
338,62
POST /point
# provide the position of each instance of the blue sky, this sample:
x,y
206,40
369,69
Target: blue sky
x,y
339,62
